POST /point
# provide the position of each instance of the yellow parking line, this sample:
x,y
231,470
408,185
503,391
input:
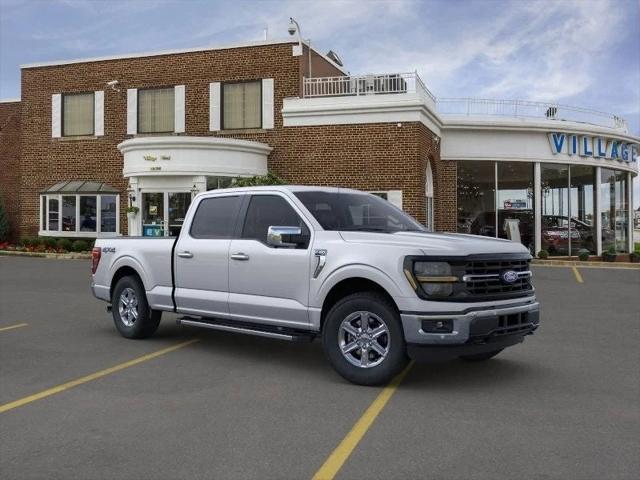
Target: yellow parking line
x,y
11,327
334,463
577,274
94,376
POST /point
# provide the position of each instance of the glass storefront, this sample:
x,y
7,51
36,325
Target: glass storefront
x,y
515,203
163,213
614,210
498,199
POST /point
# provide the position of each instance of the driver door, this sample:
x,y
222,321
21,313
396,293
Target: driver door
x,y
269,284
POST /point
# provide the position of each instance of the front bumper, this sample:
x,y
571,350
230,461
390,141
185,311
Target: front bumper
x,y
474,327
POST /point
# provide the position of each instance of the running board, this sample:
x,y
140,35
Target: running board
x,y
256,330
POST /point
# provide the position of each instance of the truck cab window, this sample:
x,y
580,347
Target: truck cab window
x,y
270,210
215,217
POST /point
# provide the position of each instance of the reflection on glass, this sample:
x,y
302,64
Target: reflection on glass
x,y
178,204
69,214
153,214
554,181
108,213
214,183
614,210
476,198
88,213
581,202
515,202
53,214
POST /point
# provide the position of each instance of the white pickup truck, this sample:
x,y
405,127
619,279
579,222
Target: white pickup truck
x,y
296,262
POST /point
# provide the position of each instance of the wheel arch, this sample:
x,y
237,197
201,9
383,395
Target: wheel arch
x,y
349,286
121,272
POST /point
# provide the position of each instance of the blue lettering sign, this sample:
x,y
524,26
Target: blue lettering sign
x,y
614,150
624,152
586,147
573,146
557,142
600,150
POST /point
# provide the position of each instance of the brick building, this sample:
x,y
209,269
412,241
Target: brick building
x,y
91,137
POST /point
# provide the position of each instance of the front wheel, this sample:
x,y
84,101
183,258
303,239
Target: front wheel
x,y
131,313
363,339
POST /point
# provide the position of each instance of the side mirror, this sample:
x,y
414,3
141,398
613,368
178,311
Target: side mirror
x,y
287,237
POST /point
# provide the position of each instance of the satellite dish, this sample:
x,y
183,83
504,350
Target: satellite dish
x,y
334,57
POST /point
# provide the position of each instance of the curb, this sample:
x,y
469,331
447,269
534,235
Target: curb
x,y
574,263
57,256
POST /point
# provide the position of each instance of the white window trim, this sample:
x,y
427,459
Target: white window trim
x,y
77,234
394,197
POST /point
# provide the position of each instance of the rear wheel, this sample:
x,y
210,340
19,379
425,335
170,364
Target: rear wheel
x,y
131,313
480,357
363,339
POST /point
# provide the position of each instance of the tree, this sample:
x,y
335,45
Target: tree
x,y
268,179
5,228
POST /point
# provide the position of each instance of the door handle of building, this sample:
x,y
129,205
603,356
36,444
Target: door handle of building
x,y
239,256
185,254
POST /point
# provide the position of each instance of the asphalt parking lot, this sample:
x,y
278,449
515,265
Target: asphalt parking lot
x,y
563,405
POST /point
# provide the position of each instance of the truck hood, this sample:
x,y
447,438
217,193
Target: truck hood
x,y
446,244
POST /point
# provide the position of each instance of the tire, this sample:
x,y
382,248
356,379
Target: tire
x,y
481,357
383,340
131,313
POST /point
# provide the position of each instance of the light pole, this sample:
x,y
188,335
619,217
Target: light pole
x,y
293,28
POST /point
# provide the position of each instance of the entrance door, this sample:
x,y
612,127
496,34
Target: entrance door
x,y
163,213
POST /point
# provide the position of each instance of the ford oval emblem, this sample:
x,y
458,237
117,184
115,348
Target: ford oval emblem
x,y
509,276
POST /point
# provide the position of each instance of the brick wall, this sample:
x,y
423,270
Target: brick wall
x,y
368,157
49,160
10,161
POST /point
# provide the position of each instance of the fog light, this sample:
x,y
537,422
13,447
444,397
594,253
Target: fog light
x,y
437,326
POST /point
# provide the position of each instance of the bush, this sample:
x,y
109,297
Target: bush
x,y
65,244
268,179
79,246
5,228
583,254
29,242
48,242
543,254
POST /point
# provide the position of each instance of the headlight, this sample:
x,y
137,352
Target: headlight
x,y
435,278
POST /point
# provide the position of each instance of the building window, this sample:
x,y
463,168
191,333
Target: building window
x,y
477,198
614,210
242,105
78,114
428,191
75,215
515,203
156,110
214,183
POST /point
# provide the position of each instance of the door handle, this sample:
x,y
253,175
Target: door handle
x,y
239,256
185,254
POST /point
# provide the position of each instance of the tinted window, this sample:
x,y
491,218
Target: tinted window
x,y
269,210
356,211
215,217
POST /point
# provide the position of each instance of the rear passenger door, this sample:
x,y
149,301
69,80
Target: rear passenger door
x,y
202,257
269,284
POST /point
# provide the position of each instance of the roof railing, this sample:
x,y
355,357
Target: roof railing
x,y
528,109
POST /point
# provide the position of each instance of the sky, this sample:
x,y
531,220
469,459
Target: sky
x,y
577,52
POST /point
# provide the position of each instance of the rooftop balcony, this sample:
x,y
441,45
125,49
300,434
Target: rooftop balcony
x,y
411,84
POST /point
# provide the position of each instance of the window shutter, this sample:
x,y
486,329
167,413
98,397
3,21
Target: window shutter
x,y
132,111
56,115
98,110
267,103
395,197
178,99
214,106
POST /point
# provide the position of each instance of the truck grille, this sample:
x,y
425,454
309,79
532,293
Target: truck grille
x,y
484,278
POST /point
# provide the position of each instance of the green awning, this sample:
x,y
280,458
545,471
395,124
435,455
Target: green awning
x,y
80,186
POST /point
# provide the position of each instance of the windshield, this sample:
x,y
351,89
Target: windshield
x,y
356,212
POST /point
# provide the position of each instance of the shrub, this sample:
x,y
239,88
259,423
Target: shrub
x,y
583,254
611,250
65,244
48,242
80,246
268,179
29,242
543,254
